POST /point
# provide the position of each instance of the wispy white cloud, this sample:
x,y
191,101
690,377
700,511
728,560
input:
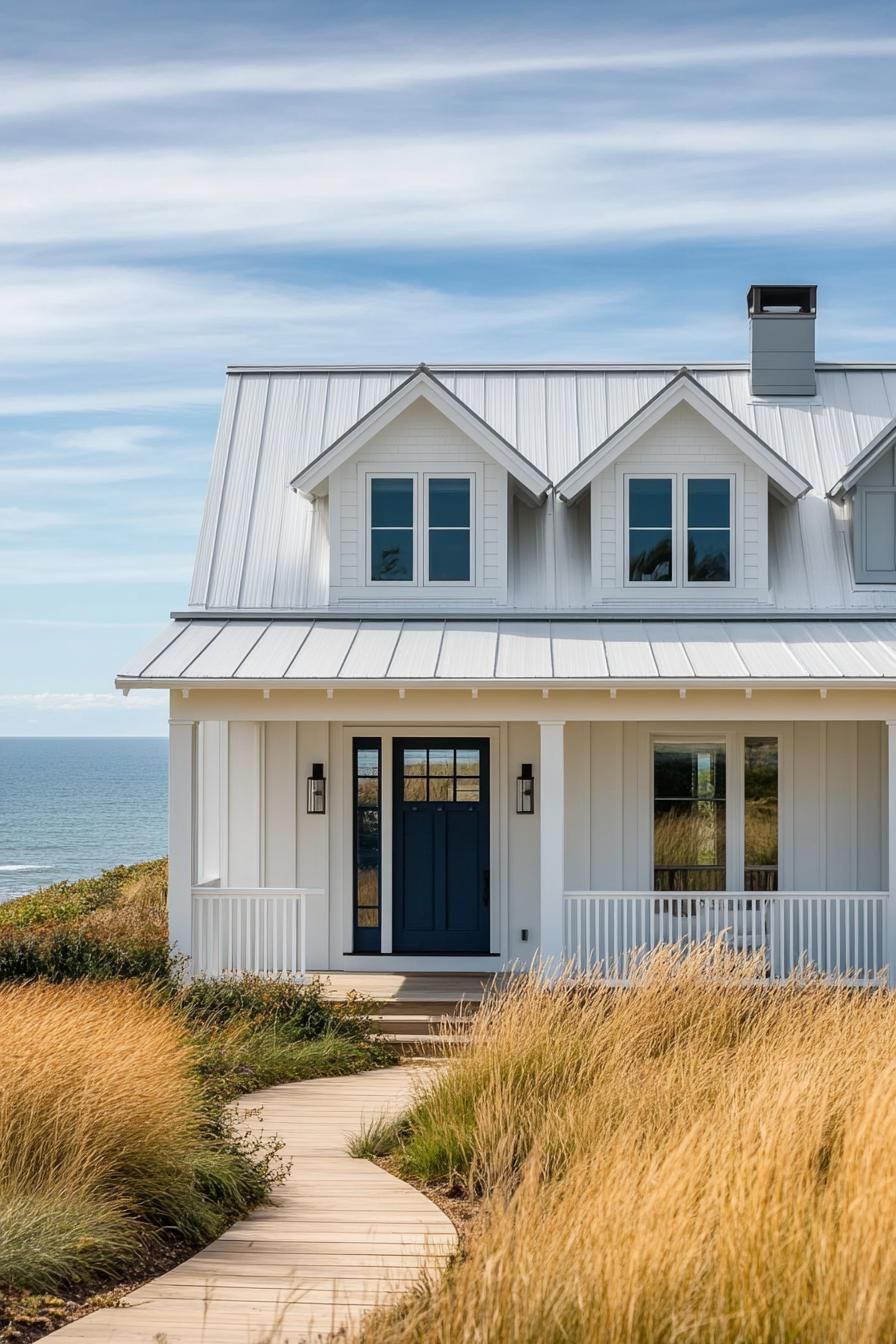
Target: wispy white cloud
x,y
72,474
55,565
88,400
125,313
32,91
15,519
57,702
454,190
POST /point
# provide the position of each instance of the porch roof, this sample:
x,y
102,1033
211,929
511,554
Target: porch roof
x,y
327,651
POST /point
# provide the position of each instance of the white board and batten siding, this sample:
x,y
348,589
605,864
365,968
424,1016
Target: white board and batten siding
x,y
253,829
252,793
832,802
421,440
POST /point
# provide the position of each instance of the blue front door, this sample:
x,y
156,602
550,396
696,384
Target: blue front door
x,y
441,846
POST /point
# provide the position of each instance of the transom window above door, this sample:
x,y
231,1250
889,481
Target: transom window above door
x,y
421,529
679,529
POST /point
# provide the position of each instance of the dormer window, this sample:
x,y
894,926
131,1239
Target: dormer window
x,y
392,529
448,529
679,529
421,529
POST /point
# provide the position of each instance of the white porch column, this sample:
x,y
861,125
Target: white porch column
x,y
181,833
890,915
551,833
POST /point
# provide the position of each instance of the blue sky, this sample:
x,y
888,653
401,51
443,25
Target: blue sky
x,y
183,186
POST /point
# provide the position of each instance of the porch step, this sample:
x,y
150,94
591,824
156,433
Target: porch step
x,y
409,1025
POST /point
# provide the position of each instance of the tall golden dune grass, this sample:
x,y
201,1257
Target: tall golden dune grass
x,y
103,1133
697,1158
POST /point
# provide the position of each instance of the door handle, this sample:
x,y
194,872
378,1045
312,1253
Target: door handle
x,y
486,888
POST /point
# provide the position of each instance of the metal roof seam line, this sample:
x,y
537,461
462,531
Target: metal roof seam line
x,y
302,643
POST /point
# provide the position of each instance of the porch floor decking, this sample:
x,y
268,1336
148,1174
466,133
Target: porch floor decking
x,y
407,987
339,1237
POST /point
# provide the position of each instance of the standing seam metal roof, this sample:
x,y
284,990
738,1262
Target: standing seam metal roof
x,y
261,546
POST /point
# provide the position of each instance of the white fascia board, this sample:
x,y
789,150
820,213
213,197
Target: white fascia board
x,y
865,460
785,480
312,479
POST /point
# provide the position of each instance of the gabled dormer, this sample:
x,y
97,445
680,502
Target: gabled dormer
x,y
868,489
679,503
418,492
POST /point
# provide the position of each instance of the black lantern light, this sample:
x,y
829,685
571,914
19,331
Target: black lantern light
x,y
525,791
317,789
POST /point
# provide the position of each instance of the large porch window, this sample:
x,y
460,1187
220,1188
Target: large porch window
x,y
689,817
694,811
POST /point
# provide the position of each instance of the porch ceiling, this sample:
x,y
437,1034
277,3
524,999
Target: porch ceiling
x,y
507,652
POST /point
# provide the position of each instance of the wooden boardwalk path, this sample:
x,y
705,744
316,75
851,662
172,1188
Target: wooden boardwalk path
x,y
340,1235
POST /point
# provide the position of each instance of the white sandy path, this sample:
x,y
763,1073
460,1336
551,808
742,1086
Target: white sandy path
x,y
340,1236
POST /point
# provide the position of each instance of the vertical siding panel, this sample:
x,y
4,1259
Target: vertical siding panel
x,y
635,801
808,806
280,804
607,836
579,818
523,841
840,806
870,807
312,844
244,797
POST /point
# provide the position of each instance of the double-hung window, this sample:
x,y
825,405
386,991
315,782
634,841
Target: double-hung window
x,y
421,529
392,511
709,529
679,529
448,529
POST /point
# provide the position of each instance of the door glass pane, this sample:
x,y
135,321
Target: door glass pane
x,y
415,761
761,814
689,817
467,761
441,761
709,531
441,790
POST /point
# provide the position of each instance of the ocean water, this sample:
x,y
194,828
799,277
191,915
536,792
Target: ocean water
x,y
71,806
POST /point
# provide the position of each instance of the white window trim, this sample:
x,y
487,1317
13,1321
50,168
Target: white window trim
x,y
369,529
428,476
420,528
679,577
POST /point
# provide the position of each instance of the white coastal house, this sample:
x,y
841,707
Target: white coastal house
x,y
484,662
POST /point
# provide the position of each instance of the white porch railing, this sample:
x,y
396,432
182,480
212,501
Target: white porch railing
x,y
839,933
257,931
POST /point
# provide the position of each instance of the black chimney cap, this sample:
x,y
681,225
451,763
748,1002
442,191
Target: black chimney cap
x,y
781,300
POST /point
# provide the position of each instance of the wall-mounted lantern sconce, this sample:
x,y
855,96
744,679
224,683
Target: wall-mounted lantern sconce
x,y
317,789
525,791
